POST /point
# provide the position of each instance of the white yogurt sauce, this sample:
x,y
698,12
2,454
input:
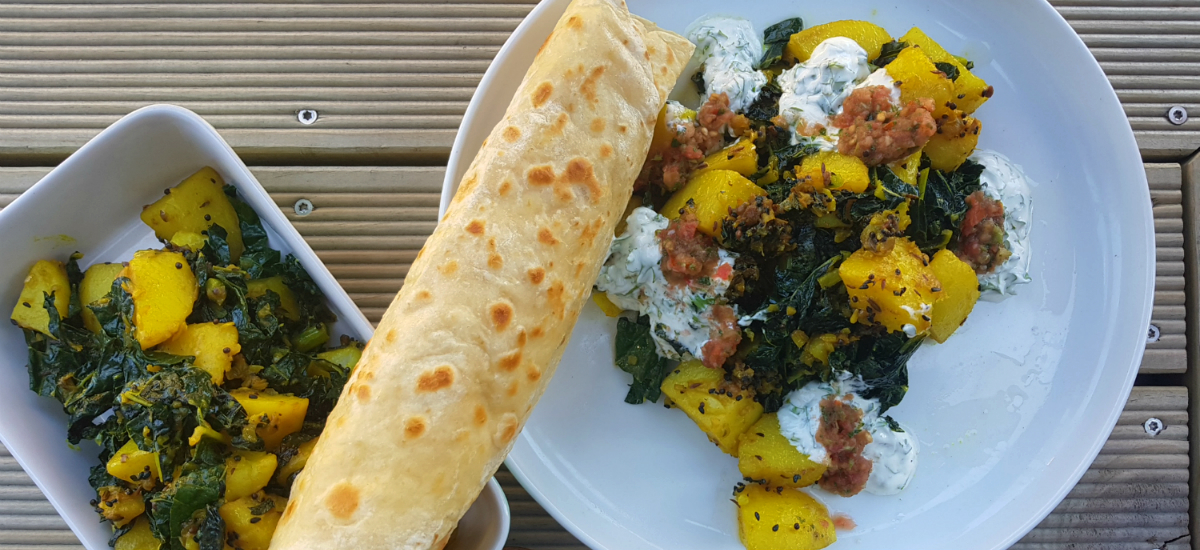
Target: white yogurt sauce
x,y
678,116
729,47
813,91
633,279
1006,182
893,454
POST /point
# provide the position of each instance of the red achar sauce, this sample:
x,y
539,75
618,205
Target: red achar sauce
x,y
981,238
878,132
842,434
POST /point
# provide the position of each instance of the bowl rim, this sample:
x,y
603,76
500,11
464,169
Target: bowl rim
x,y
249,186
1126,141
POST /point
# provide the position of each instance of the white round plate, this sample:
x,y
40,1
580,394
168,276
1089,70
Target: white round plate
x,y
1009,412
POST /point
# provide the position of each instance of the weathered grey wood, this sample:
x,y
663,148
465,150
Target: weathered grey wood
x,y
390,81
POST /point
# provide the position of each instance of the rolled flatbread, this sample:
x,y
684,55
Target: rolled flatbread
x,y
468,345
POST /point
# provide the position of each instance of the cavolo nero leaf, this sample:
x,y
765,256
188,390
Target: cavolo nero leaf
x,y
888,53
949,69
638,356
882,361
775,40
937,215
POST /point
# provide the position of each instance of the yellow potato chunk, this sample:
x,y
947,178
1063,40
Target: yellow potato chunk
x,y
134,465
765,455
45,277
714,193
891,287
247,472
347,356
917,77
253,530
188,239
607,306
846,173
723,416
97,283
955,141
212,345
907,169
741,157
276,415
194,205
295,462
287,298
140,537
120,505
869,36
164,289
769,519
960,287
970,91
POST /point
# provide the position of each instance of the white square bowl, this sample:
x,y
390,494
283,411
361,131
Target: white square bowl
x,y
90,203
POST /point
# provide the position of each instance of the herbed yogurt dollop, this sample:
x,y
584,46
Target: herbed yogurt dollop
x,y
1004,181
633,279
893,454
813,91
730,48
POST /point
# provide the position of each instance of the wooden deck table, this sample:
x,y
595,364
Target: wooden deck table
x,y
353,105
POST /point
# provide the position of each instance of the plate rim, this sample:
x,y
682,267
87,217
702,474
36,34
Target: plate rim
x,y
1126,141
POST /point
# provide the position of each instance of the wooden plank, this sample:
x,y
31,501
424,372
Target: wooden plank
x,y
1141,504
390,81
369,222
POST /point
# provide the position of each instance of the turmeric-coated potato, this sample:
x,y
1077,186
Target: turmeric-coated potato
x,y
164,289
691,387
955,141
252,520
741,157
247,472
908,169
917,77
295,462
764,454
287,298
134,465
193,206
45,277
970,91
97,283
714,193
140,537
276,415
213,346
960,287
120,505
845,173
869,36
891,287
770,519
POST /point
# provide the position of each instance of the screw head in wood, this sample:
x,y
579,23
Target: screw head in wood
x,y
1153,334
1177,115
303,207
306,116
1154,426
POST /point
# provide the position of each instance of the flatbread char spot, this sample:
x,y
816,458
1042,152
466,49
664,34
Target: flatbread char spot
x,y
475,227
342,500
414,427
542,94
510,362
501,315
537,275
436,379
546,237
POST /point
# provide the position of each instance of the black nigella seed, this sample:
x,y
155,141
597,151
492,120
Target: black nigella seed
x,y
702,408
796,478
255,520
756,515
775,528
796,527
207,218
178,265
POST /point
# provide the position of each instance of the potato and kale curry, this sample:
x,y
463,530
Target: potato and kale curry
x,y
203,370
818,213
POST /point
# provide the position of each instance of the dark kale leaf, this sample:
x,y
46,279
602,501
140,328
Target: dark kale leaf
x,y
638,356
766,104
177,504
775,40
254,235
698,81
948,68
937,215
216,246
211,535
888,53
882,361
74,278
